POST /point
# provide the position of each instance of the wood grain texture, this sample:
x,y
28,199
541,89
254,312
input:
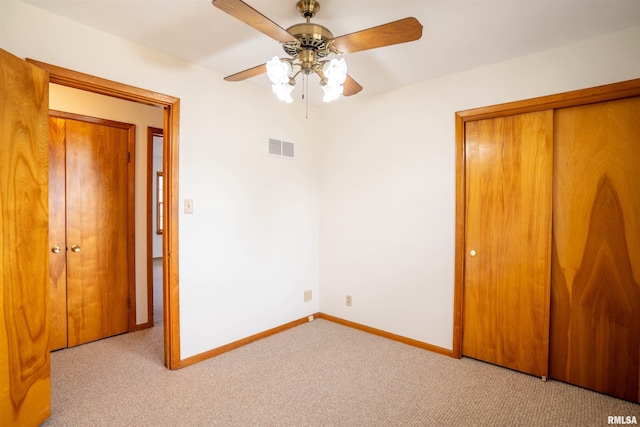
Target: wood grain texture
x,y
24,278
170,265
247,74
90,83
607,92
97,188
460,250
57,233
508,225
591,95
131,224
351,87
595,332
401,31
245,13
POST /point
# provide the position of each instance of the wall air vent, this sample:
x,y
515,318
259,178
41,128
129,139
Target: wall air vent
x,y
278,148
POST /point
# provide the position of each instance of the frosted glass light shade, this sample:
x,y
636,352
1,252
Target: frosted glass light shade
x,y
331,92
335,71
278,71
283,92
333,76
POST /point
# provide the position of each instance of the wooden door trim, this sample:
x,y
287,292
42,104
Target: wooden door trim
x,y
171,106
626,89
151,132
608,92
131,224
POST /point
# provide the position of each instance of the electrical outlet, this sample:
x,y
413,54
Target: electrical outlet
x,y
347,301
308,296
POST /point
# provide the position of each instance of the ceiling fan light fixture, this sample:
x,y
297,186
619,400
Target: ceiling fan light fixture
x,y
278,71
332,74
335,71
307,44
331,92
283,92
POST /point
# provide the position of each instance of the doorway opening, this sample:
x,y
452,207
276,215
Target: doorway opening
x,y
171,107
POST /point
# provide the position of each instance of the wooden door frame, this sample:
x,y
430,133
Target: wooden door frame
x,y
151,132
608,92
171,106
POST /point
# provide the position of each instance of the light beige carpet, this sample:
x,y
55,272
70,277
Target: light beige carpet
x,y
317,374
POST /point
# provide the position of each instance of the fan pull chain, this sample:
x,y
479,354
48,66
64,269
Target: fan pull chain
x,y
306,98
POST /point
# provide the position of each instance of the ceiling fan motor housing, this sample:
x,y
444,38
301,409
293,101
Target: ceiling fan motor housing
x,y
308,37
312,40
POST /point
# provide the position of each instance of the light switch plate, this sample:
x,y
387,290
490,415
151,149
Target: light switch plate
x,y
188,206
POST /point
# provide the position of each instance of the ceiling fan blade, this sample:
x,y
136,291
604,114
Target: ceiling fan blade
x,y
402,31
245,13
246,74
351,87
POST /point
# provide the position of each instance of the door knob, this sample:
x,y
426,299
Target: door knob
x,y
56,249
472,252
75,248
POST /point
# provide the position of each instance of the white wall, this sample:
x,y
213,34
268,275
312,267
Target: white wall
x,y
250,249
388,183
90,104
373,198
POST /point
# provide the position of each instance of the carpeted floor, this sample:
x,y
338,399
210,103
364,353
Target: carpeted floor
x,y
317,374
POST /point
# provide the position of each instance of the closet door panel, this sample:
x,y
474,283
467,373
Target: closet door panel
x,y
57,233
97,260
595,303
508,241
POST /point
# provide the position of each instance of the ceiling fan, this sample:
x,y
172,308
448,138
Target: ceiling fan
x,y
308,44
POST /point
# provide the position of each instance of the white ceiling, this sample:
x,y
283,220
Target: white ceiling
x,y
458,35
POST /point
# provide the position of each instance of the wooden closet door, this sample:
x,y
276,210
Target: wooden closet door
x,y
90,183
97,268
595,304
508,241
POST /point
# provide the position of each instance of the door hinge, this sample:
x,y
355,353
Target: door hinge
x,y
128,157
128,302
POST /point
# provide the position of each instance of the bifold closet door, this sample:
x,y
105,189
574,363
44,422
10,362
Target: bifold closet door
x,y
508,241
595,303
88,226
